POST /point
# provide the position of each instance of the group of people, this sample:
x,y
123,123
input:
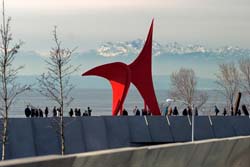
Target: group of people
x,y
239,112
186,111
56,112
77,112
36,112
137,112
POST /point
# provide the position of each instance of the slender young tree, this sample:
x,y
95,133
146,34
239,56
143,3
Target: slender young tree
x,y
55,84
9,89
228,79
184,87
244,66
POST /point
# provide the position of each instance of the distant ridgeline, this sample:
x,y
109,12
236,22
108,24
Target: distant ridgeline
x,y
37,136
160,82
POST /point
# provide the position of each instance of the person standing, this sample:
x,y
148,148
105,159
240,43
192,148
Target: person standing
x,y
54,112
225,112
46,112
40,112
89,111
27,111
175,112
71,112
170,111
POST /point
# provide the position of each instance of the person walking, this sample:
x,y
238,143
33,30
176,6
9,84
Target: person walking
x,y
46,112
216,110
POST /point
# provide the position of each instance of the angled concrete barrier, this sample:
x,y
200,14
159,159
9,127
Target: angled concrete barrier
x,y
202,128
20,138
239,156
219,153
201,151
117,131
159,129
222,127
139,131
241,125
74,140
228,152
172,155
42,161
46,136
180,128
94,133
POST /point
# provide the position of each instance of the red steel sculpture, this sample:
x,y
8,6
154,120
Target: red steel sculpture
x,y
139,73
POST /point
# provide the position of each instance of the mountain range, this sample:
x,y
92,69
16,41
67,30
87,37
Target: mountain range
x,y
166,59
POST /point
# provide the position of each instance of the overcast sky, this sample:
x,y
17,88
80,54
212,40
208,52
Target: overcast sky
x,y
87,23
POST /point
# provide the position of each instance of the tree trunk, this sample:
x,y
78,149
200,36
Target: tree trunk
x,y
62,134
4,137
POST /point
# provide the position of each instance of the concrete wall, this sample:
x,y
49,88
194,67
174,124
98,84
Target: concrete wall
x,y
38,136
228,152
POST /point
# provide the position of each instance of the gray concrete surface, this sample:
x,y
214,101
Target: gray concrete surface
x,y
227,152
38,136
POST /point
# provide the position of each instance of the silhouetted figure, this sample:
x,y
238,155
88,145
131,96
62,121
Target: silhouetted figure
x,y
144,112
239,112
175,112
85,113
80,113
89,111
165,112
170,111
46,112
244,109
54,112
36,112
59,112
149,113
225,112
71,112
216,110
76,112
125,112
134,110
138,113
189,111
196,113
33,112
184,112
40,112
27,111
232,111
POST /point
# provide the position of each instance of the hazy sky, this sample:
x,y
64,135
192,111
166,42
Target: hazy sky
x,y
87,23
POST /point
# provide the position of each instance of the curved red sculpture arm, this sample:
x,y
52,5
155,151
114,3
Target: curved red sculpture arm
x,y
118,75
141,74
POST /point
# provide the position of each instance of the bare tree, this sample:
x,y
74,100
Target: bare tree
x,y
8,75
184,87
56,83
228,79
244,66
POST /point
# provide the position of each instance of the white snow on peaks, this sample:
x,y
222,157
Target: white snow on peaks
x,y
112,49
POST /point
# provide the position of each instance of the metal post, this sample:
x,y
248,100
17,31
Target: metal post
x,y
192,122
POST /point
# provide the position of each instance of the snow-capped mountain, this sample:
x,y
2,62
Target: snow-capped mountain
x,y
127,48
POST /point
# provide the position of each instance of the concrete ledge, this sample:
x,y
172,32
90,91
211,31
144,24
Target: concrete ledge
x,y
228,152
